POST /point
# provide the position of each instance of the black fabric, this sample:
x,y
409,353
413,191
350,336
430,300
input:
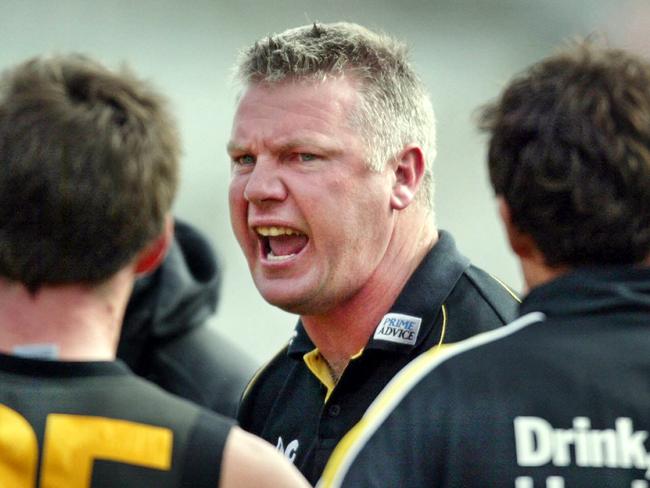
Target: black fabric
x,y
39,391
285,403
562,401
166,338
201,468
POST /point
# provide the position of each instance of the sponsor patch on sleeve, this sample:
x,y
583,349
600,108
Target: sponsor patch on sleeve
x,y
399,328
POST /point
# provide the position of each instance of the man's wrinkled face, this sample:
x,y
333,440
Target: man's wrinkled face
x,y
311,218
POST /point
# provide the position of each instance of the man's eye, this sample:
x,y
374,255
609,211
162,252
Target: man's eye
x,y
246,159
307,157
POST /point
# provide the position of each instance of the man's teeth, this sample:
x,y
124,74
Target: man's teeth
x,y
272,257
277,231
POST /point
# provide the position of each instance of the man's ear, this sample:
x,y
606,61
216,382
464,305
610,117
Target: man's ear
x,y
409,170
151,256
521,243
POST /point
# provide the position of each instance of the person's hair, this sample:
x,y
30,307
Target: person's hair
x,y
394,107
89,170
569,151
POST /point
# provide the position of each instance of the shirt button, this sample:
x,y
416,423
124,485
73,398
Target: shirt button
x,y
334,410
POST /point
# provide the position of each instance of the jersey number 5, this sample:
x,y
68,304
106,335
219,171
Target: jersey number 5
x,y
70,446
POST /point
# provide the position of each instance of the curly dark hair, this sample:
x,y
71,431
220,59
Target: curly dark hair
x,y
569,151
89,170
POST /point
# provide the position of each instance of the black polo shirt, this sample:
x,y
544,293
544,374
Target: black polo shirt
x,y
558,398
445,300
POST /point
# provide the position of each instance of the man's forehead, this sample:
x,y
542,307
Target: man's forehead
x,y
284,141
341,85
311,104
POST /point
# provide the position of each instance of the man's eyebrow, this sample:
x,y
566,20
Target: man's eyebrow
x,y
318,146
233,147
284,147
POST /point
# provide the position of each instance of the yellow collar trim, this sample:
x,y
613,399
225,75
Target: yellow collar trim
x,y
318,366
320,369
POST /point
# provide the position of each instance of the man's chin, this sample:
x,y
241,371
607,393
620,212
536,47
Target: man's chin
x,y
296,296
288,304
297,304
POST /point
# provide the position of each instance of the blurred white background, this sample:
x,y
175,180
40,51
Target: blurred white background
x,y
465,50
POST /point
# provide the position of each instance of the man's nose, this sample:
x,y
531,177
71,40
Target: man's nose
x,y
265,183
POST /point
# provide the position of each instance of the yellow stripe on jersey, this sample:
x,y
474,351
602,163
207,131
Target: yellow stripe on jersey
x,y
18,449
443,330
73,442
320,369
507,288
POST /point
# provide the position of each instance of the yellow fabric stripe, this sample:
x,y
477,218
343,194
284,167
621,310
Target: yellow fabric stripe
x,y
73,442
18,449
321,370
508,289
444,325
319,367
357,355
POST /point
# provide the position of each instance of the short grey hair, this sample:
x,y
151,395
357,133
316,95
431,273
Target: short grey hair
x,y
394,108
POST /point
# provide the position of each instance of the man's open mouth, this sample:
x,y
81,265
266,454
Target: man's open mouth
x,y
280,243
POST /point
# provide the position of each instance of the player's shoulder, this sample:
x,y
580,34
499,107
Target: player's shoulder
x,y
461,369
479,302
142,398
493,289
470,364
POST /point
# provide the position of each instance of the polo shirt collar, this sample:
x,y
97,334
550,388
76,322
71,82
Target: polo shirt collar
x,y
592,290
420,300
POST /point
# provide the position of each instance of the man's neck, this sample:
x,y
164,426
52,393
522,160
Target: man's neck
x,y
343,331
79,323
